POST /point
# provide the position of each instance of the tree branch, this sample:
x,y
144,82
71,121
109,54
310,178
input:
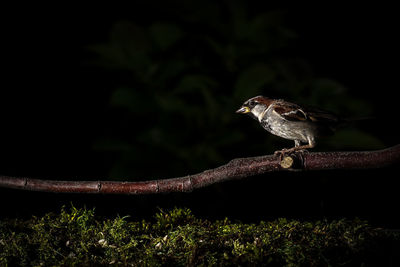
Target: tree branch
x,y
235,169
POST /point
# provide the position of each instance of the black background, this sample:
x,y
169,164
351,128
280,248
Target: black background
x,y
53,106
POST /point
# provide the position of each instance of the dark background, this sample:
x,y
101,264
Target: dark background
x,y
149,91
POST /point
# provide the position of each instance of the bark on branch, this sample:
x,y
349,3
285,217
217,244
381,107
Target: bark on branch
x,y
235,169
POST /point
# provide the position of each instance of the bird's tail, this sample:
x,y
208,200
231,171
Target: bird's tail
x,y
353,121
357,119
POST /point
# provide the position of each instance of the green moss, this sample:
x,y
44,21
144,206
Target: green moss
x,y
178,238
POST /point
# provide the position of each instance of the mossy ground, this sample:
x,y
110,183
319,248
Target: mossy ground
x,y
178,238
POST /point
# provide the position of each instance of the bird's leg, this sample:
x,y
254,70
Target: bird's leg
x,y
297,147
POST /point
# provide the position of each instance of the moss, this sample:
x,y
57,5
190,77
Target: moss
x,y
178,238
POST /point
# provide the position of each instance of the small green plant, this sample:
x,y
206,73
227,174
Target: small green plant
x,y
177,238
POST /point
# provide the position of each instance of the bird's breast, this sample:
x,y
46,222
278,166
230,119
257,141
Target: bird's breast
x,y
277,125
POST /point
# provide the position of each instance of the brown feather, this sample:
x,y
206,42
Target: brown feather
x,y
318,115
262,100
293,112
290,111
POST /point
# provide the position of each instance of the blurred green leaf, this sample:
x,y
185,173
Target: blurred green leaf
x,y
165,34
170,103
252,80
128,48
131,37
170,69
333,96
193,82
110,56
354,139
130,99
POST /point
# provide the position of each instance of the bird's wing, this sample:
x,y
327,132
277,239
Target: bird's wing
x,y
319,115
290,111
293,112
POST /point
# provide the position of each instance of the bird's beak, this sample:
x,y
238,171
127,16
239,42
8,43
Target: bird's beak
x,y
243,110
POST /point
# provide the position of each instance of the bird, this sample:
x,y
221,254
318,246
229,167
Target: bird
x,y
291,121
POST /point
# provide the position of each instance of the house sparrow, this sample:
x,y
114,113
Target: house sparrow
x,y
290,121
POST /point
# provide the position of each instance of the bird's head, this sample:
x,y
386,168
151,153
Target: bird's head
x,y
255,106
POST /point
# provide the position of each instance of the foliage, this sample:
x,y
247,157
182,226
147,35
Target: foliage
x,y
177,82
178,238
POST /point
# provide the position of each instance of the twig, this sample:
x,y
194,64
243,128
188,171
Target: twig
x,y
235,169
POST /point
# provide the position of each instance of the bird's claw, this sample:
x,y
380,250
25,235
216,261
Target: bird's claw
x,y
282,153
287,151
